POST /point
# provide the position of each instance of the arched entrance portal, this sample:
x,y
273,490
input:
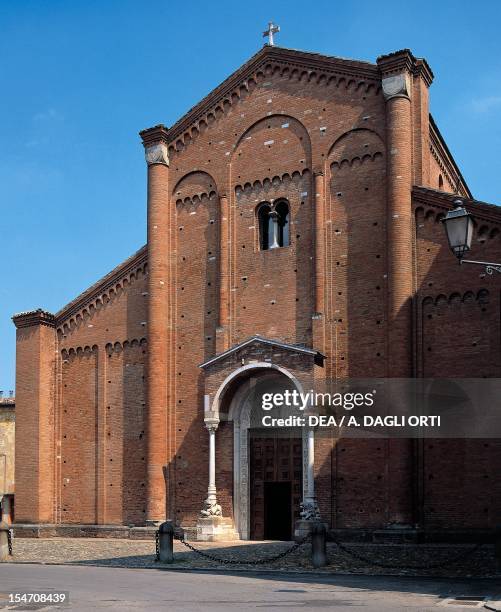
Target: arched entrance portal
x,y
268,464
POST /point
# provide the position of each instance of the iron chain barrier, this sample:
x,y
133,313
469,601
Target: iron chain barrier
x,y
217,559
9,541
462,556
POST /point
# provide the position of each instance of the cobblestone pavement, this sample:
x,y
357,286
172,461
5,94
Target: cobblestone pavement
x,y
141,554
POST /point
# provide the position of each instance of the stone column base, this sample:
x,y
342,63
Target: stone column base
x,y
303,528
216,529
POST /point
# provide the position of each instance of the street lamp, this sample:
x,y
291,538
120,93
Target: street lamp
x,y
459,229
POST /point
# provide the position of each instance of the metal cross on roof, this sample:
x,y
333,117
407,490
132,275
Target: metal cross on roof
x,y
272,29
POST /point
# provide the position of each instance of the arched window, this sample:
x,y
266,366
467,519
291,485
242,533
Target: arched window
x,y
282,209
264,226
273,225
440,182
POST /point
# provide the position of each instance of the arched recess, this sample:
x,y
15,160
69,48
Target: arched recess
x,y
234,401
195,238
356,227
196,183
271,146
272,161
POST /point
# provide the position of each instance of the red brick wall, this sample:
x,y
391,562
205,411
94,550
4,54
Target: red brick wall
x,y
102,404
457,335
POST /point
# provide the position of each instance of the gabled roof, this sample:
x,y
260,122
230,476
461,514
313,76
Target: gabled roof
x,y
296,348
292,57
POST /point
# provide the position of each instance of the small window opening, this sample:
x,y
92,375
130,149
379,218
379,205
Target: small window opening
x,y
274,225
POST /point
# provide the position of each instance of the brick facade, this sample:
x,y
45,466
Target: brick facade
x,y
110,387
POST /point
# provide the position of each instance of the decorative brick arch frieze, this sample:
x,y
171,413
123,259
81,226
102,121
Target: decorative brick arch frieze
x,y
480,296
268,183
484,229
110,348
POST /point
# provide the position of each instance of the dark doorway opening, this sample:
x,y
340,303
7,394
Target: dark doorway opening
x,y
277,511
276,478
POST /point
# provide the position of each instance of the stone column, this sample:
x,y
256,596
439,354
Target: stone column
x,y
155,143
310,513
211,525
273,225
211,505
309,507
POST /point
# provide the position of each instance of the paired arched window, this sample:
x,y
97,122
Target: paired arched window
x,y
274,225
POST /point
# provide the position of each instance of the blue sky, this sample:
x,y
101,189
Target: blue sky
x,y
81,78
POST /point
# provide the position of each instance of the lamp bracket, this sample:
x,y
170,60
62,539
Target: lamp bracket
x,y
490,267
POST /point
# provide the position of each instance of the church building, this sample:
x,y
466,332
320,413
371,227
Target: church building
x,y
293,235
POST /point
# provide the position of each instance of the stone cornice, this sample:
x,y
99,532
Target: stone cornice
x,y
34,317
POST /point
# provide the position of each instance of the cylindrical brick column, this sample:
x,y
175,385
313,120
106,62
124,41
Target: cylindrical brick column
x,y
155,142
396,72
399,232
319,243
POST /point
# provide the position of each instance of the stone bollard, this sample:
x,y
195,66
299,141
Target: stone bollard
x,y
318,545
497,546
166,542
5,554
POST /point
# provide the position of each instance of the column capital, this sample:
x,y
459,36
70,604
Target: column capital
x,y
212,423
155,142
397,69
396,86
